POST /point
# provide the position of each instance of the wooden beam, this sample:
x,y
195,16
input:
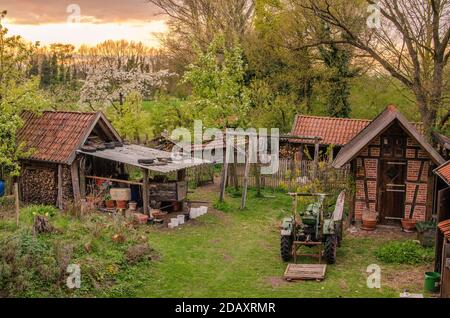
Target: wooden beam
x,y
74,171
82,178
223,182
246,175
115,180
316,157
16,198
59,199
145,193
181,175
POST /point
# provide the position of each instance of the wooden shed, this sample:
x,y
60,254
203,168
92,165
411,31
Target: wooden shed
x,y
50,173
393,167
71,151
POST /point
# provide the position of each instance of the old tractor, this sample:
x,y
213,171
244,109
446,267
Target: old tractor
x,y
314,226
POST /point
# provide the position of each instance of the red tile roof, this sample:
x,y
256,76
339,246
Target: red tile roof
x,y
444,172
333,131
55,136
444,227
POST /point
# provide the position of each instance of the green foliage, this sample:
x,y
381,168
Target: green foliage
x,y
129,119
222,206
17,93
40,210
405,252
27,265
337,61
219,95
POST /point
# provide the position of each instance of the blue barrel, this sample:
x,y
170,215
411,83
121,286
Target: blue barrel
x,y
2,188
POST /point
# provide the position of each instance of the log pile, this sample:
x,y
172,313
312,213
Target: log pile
x,y
39,185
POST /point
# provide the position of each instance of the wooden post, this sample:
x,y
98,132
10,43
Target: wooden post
x,y
74,171
181,175
82,180
246,173
235,176
223,182
16,198
257,169
59,199
316,157
145,193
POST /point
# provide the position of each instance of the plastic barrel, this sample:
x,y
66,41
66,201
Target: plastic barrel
x,y
432,280
2,188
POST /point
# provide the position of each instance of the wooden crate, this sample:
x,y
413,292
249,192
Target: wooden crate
x,y
305,272
169,191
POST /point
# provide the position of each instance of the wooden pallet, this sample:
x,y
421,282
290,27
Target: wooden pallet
x,y
305,272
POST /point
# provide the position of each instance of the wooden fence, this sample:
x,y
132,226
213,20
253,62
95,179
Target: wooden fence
x,y
292,174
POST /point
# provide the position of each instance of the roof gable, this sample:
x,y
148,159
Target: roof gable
x,y
56,136
375,128
444,172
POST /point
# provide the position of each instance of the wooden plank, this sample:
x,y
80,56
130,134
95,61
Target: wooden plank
x,y
115,180
246,173
145,193
82,172
59,199
75,182
316,158
305,272
17,203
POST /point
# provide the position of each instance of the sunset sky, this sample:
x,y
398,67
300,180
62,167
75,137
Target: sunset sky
x,y
50,21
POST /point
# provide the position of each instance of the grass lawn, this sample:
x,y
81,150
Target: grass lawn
x,y
236,254
225,254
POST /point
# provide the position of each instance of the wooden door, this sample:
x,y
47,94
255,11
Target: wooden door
x,y
393,191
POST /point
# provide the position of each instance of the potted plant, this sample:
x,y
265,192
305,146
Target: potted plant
x,y
409,224
122,204
110,204
369,220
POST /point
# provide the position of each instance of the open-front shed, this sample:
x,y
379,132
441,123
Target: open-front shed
x,y
70,151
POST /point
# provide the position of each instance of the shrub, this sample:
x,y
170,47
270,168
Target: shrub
x,y
40,210
222,206
27,264
405,252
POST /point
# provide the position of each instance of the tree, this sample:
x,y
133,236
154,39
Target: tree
x,y
108,85
17,93
131,121
407,38
219,95
200,21
337,60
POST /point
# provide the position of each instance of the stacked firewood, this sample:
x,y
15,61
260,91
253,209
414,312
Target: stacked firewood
x,y
39,185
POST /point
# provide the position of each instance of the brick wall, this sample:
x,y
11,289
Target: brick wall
x,y
367,179
417,187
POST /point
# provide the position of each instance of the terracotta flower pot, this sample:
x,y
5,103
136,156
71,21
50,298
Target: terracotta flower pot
x,y
122,204
369,224
110,204
409,225
132,206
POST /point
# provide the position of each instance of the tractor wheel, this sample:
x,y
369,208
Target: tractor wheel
x,y
331,243
286,248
